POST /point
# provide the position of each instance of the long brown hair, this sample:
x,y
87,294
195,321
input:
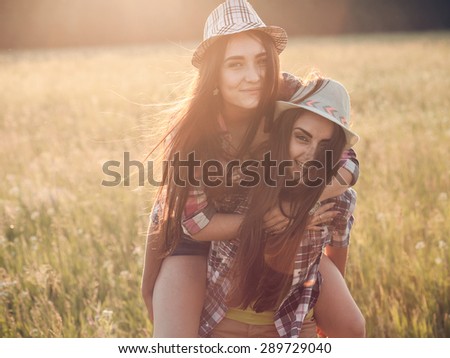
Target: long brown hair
x,y
262,271
196,130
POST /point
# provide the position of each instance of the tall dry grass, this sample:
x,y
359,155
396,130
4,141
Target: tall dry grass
x,y
71,250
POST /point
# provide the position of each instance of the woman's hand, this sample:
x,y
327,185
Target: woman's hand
x,y
321,214
274,221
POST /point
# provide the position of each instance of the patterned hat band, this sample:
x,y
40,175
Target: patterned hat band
x,y
233,17
331,101
326,109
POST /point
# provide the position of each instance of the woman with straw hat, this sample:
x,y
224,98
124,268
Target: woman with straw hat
x,y
227,116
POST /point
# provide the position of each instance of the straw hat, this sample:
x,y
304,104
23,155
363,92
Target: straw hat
x,y
232,17
330,101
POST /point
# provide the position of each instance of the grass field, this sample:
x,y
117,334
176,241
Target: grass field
x,y
71,250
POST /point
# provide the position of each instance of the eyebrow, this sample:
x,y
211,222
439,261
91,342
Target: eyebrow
x,y
238,57
310,135
305,132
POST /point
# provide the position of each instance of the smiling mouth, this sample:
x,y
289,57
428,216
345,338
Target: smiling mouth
x,y
297,170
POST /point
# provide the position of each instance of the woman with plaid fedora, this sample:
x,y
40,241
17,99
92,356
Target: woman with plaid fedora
x,y
227,116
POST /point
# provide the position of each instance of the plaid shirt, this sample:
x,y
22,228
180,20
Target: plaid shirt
x,y
306,277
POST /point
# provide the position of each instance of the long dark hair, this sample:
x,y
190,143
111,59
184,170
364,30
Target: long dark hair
x,y
196,130
262,271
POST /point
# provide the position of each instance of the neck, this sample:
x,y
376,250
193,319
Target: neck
x,y
237,119
238,126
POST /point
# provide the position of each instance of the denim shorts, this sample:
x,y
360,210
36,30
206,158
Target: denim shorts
x,y
189,247
186,246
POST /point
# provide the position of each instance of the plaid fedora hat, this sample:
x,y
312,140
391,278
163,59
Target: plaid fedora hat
x,y
330,101
232,17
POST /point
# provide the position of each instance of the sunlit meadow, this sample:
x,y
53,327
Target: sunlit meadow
x,y
71,250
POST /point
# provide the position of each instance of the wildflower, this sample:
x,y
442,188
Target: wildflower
x,y
14,191
107,314
6,284
442,244
34,332
137,251
420,245
24,295
437,260
126,275
442,196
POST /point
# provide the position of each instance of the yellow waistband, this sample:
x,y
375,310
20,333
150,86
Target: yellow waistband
x,y
249,316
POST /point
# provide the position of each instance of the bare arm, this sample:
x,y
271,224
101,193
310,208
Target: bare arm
x,y
339,257
226,226
220,227
339,184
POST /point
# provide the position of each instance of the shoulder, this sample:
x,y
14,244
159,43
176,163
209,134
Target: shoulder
x,y
344,203
289,84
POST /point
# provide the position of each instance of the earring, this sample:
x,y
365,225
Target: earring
x,y
215,92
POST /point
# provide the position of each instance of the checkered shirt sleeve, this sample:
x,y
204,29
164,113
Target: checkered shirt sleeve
x,y
301,299
197,212
340,227
220,260
221,257
351,164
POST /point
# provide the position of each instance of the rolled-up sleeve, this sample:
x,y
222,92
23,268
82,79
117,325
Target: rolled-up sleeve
x,y
340,227
350,163
197,212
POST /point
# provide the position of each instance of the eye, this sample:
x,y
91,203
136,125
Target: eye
x,y
302,138
262,61
234,64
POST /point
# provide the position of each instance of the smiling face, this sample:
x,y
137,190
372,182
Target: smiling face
x,y
242,73
309,132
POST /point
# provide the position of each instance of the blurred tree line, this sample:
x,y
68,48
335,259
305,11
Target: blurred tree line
x,y
48,23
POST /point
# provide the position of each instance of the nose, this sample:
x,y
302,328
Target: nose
x,y
253,73
309,153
